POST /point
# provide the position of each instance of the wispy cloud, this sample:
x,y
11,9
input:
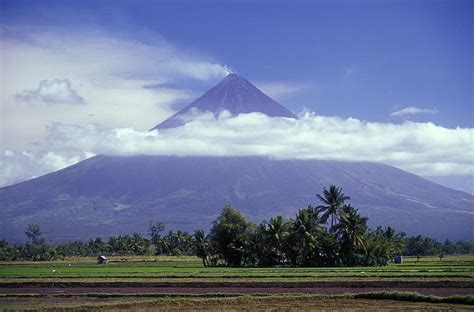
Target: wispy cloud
x,y
413,110
421,148
348,72
56,91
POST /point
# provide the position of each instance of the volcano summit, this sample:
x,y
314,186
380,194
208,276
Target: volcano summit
x,y
234,94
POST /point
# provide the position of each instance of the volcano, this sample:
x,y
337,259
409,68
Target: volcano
x,y
234,94
112,195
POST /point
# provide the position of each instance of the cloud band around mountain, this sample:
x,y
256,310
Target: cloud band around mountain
x,y
421,148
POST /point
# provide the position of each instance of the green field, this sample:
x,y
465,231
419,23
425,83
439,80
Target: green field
x,y
192,268
81,284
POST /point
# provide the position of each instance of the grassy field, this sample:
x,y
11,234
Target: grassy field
x,y
167,283
191,268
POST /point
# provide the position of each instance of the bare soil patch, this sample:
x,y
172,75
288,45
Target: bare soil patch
x,y
446,288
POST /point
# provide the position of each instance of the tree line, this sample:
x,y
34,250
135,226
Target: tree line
x,y
330,234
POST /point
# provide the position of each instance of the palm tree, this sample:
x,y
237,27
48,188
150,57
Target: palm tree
x,y
352,229
333,204
386,242
138,244
305,226
276,230
201,246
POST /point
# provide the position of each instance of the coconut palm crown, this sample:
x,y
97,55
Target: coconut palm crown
x,y
333,204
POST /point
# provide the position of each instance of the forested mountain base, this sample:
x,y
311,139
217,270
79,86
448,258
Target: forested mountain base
x,y
332,234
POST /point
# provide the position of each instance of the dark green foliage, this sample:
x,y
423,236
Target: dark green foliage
x,y
301,241
333,204
174,244
7,253
123,245
37,252
352,232
201,246
269,242
98,247
229,234
35,249
29,251
134,244
457,248
384,244
74,248
422,246
328,250
305,230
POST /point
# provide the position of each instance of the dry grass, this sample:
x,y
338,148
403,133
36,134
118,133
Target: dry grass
x,y
374,302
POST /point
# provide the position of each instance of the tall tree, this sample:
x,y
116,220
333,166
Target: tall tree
x,y
201,246
138,244
305,227
352,230
155,228
383,244
229,234
276,230
34,234
268,241
333,204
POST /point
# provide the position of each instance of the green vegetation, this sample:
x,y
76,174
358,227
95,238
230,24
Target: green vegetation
x,y
191,268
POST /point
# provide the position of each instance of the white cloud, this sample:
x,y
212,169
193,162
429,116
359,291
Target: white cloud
x,y
20,166
56,91
421,148
107,71
413,110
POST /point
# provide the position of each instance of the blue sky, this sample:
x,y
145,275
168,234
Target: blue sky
x,y
91,77
360,59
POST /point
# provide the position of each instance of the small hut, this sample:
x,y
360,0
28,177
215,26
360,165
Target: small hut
x,y
102,260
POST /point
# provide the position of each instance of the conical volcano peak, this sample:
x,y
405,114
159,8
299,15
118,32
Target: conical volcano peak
x,y
233,81
234,78
234,94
